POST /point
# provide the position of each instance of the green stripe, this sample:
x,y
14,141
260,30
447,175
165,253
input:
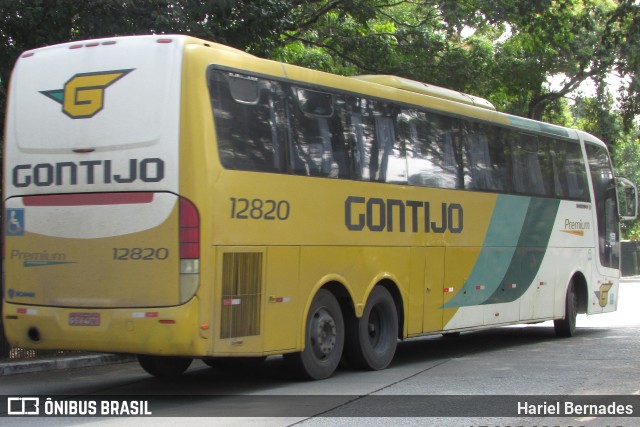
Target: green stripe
x,y
513,250
499,246
532,246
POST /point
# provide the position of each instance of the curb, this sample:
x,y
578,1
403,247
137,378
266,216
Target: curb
x,y
38,365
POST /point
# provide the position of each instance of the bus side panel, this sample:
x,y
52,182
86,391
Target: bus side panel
x,y
282,299
574,252
434,290
459,262
418,288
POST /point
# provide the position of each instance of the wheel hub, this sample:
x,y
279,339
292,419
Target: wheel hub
x,y
374,327
323,334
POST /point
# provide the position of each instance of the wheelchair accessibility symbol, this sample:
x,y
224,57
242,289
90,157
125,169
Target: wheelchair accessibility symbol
x,y
14,222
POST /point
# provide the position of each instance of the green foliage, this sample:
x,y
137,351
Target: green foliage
x,y
253,25
503,50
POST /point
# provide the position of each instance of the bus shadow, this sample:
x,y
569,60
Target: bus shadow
x,y
274,373
485,341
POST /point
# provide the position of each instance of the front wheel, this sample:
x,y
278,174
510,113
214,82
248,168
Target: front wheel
x,y
324,339
566,327
372,339
164,366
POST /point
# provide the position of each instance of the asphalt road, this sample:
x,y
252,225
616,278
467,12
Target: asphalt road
x,y
476,379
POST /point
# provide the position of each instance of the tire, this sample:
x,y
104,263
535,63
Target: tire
x,y
566,327
164,366
324,339
372,339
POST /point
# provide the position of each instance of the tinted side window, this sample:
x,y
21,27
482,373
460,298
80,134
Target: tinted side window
x,y
570,174
527,169
486,154
248,115
378,151
269,126
433,143
320,143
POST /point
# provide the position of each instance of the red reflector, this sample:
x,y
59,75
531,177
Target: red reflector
x,y
189,230
88,199
189,235
188,214
92,44
164,40
75,46
109,43
28,55
189,250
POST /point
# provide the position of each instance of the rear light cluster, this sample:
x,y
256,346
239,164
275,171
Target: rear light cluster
x,y
189,249
189,230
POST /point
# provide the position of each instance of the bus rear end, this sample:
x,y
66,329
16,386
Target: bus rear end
x,y
100,251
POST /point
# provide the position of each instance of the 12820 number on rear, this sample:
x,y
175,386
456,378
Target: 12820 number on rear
x,y
140,254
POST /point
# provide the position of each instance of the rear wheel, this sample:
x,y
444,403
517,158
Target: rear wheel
x,y
566,327
164,366
324,339
372,339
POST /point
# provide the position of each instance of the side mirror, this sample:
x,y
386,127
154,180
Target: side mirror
x,y
627,199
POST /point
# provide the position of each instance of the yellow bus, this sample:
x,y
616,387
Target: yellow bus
x,y
173,198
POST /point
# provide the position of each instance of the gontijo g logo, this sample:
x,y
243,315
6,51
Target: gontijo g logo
x,y
82,96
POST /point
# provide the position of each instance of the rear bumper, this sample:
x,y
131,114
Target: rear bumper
x,y
161,331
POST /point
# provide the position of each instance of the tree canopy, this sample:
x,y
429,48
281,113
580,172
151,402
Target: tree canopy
x,y
508,51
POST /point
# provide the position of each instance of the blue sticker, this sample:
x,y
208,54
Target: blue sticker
x,y
14,222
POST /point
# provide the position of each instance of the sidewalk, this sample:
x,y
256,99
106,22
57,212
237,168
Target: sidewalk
x,y
12,367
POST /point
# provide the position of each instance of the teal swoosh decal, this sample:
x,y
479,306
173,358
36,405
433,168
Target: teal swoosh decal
x,y
532,246
514,247
45,263
496,255
57,95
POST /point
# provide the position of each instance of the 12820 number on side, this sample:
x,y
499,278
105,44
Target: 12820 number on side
x,y
269,210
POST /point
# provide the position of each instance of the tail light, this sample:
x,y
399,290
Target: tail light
x,y
189,250
189,230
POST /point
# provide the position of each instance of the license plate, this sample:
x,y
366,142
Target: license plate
x,y
84,319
